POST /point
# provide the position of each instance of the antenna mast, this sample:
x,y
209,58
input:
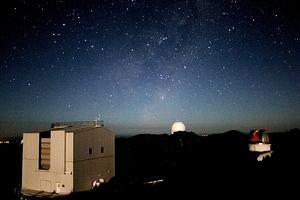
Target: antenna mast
x,y
98,121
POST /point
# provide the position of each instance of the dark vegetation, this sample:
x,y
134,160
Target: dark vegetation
x,y
214,165
10,168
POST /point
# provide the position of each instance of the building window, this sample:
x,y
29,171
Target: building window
x,y
90,151
102,149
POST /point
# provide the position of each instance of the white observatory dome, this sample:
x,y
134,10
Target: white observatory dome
x,y
177,126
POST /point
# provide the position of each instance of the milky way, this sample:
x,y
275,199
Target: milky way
x,y
215,65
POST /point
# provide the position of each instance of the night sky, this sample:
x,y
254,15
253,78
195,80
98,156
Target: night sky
x,y
215,65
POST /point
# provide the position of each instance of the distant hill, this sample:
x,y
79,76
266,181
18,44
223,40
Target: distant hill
x,y
191,159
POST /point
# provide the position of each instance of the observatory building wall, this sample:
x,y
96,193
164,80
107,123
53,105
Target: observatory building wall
x,y
67,159
94,157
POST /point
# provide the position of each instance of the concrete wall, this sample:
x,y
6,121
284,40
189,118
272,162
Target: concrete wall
x,y
34,178
57,156
61,148
91,167
30,179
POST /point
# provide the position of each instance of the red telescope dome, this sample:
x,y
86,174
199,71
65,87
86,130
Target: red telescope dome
x,y
259,136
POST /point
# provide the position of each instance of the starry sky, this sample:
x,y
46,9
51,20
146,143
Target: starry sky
x,y
216,65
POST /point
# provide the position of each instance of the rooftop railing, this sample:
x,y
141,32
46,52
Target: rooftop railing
x,y
99,123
